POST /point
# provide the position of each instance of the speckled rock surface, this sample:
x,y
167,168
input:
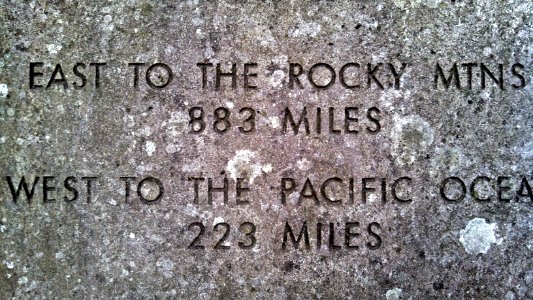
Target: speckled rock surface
x,y
400,135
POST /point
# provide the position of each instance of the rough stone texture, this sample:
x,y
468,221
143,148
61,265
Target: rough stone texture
x,y
109,248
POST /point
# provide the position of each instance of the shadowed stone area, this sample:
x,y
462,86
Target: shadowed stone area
x,y
266,149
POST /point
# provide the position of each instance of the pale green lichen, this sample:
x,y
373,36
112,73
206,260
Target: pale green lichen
x,y
478,236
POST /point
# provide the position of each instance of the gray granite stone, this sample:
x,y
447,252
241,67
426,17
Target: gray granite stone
x,y
413,136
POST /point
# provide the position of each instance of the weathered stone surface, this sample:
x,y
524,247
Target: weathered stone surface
x,y
425,248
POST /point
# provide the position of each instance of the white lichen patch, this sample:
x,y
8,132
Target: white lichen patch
x,y
59,255
146,131
172,148
372,198
9,264
165,264
264,36
411,135
310,29
150,147
4,90
150,191
478,236
277,78
274,122
406,4
53,48
107,24
176,125
242,166
304,164
394,294
218,220
267,168
280,60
